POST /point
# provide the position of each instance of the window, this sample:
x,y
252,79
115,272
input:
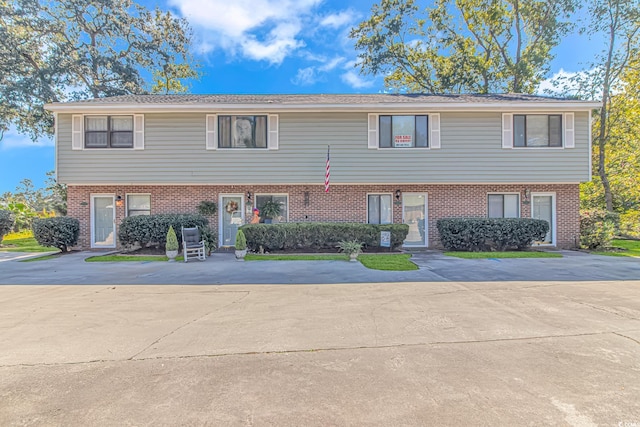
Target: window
x,y
242,131
379,209
138,204
283,199
537,130
504,206
108,132
404,131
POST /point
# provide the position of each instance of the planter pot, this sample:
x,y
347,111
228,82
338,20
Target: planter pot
x,y
172,255
353,257
241,254
268,221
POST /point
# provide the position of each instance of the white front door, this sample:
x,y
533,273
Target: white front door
x,y
231,218
103,221
543,206
414,214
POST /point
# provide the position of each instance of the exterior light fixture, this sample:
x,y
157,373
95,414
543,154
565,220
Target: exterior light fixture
x,y
249,196
119,201
398,192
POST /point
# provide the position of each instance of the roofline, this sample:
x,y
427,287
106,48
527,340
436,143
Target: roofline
x,y
79,107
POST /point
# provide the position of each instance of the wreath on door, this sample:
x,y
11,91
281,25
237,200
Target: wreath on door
x,y
231,206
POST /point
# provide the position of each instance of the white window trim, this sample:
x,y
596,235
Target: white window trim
x,y
255,199
508,134
126,201
379,194
506,192
554,219
92,220
426,218
213,135
77,135
433,130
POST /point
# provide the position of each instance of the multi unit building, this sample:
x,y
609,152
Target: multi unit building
x,y
394,158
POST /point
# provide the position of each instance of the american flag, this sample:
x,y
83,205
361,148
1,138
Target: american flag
x,y
327,173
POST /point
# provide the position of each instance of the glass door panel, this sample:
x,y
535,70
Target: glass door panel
x,y
414,214
104,227
542,208
232,218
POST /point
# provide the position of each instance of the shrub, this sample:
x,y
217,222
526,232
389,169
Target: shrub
x,y
350,247
145,230
172,240
59,232
316,236
478,234
210,237
6,223
597,228
630,223
241,241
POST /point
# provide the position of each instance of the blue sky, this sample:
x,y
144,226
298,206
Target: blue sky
x,y
263,46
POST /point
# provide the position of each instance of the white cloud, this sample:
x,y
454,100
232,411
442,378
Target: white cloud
x,y
13,139
551,86
310,75
266,30
330,65
354,80
305,77
337,20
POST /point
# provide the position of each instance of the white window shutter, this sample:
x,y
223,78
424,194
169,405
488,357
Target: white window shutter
x,y
138,131
434,123
272,141
507,130
212,132
569,131
373,131
77,132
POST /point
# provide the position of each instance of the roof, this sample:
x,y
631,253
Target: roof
x,y
317,101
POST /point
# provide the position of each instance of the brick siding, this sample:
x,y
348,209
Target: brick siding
x,y
344,203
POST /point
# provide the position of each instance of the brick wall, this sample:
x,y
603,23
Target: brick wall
x,y
344,203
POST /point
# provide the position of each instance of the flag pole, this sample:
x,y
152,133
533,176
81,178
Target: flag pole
x,y
327,171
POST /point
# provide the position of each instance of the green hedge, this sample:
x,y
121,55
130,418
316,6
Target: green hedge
x,y
145,230
6,223
59,232
597,228
481,234
315,236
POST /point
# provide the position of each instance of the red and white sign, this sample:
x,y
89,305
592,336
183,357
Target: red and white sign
x,y
403,141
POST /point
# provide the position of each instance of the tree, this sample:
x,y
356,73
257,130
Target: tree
x,y
57,194
479,46
169,79
58,51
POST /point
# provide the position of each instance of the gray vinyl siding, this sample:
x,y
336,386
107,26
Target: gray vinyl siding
x,y
175,154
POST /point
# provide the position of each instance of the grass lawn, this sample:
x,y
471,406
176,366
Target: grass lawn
x,y
395,262
293,257
127,258
508,254
23,242
629,248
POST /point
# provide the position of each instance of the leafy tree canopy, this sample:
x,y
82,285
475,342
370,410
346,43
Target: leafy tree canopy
x,y
479,46
54,51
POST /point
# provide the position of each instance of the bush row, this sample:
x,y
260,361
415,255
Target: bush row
x,y
597,228
59,232
6,223
481,234
146,230
315,236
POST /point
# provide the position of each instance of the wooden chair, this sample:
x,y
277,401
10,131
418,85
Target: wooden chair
x,y
192,244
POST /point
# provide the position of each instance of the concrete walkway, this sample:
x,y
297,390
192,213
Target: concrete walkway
x,y
559,353
221,268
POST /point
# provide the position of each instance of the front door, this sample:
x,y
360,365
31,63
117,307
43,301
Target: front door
x,y
103,221
231,218
414,214
543,207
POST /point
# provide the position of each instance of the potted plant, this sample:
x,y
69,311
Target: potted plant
x,y
241,245
270,210
351,248
210,238
172,244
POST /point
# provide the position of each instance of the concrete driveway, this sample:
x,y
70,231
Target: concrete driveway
x,y
448,353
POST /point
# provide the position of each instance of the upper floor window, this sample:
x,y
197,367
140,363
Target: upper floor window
x,y
242,131
537,130
404,131
503,206
108,131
